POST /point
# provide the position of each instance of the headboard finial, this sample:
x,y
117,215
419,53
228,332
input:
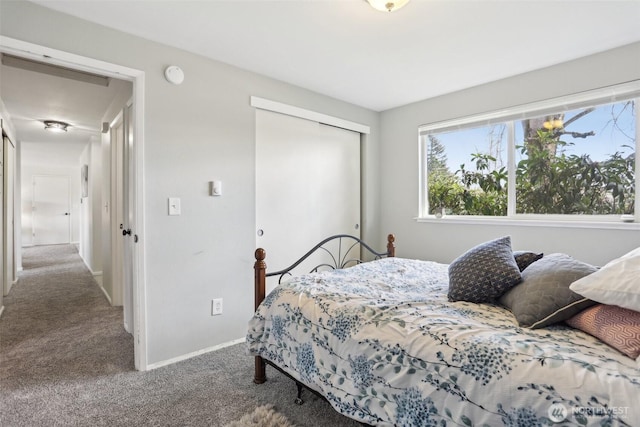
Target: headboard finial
x,y
391,247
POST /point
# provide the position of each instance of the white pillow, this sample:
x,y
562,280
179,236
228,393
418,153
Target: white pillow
x,y
617,283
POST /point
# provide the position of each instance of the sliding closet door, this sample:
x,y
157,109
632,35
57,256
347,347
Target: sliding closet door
x,y
307,185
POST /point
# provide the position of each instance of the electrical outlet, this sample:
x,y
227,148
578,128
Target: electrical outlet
x,y
216,306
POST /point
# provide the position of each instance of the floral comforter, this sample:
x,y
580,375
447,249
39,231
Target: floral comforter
x,y
381,342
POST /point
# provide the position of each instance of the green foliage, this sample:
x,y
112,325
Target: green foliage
x,y
485,189
445,191
575,184
547,182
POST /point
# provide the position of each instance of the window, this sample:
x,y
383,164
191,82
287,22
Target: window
x,y
467,171
559,158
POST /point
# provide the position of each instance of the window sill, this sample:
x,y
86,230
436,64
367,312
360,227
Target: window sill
x,y
531,222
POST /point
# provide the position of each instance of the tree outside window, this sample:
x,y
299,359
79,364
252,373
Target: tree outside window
x,y
579,162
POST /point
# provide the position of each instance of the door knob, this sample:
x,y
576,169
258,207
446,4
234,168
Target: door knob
x,y
126,232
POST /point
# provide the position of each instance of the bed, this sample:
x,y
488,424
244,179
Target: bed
x,y
385,343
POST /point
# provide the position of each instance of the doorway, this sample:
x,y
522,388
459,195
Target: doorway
x,y
75,62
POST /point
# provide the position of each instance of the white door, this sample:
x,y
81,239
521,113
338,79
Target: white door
x,y
130,238
2,196
51,213
9,213
307,185
123,237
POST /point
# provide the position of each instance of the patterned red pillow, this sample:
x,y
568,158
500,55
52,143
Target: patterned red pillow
x,y
619,327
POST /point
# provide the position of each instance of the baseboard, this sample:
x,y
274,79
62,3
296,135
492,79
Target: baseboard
x,y
97,276
12,284
7,291
194,354
88,266
104,291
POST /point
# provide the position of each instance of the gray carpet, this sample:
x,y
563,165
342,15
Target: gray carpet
x,y
65,360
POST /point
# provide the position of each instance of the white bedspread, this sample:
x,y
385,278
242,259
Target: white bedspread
x,y
381,342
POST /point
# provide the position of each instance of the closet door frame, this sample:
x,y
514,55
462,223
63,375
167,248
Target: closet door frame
x,y
307,134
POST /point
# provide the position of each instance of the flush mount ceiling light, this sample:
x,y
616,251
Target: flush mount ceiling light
x,y
387,5
55,126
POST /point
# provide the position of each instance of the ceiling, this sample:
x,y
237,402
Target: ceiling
x,y
378,60
340,48
31,97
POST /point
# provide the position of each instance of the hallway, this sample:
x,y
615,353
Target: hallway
x,y
58,328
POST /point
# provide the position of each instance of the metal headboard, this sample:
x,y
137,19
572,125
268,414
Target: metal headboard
x,y
339,260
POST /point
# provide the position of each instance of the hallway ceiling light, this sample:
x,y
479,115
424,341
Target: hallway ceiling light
x,y
387,5
55,126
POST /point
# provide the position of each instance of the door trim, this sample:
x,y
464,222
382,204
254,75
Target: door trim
x,y
314,116
137,77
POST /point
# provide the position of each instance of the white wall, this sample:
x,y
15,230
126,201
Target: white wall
x,y
202,129
95,203
443,241
84,234
90,233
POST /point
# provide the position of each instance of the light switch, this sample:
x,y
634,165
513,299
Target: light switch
x,y
174,206
216,188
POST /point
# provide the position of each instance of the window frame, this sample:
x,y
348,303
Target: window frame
x,y
508,116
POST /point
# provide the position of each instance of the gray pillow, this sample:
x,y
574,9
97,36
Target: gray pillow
x,y
544,297
484,272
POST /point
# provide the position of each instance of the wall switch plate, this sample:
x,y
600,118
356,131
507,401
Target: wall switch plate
x,y
216,306
216,188
174,206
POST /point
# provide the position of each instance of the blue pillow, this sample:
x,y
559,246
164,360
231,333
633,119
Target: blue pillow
x,y
484,272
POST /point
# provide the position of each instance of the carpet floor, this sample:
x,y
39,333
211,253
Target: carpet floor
x,y
66,360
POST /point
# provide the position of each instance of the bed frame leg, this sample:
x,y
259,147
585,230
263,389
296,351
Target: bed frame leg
x,y
260,371
299,400
260,268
